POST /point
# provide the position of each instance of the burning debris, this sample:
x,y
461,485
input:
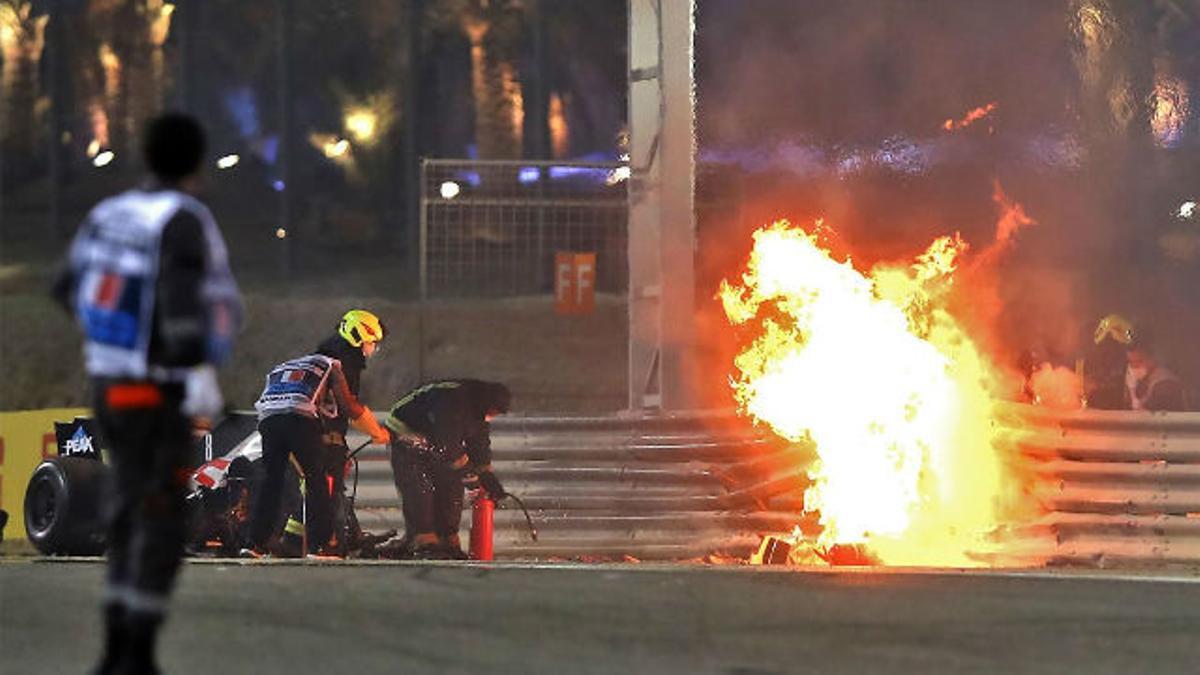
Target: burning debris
x,y
970,118
876,372
794,549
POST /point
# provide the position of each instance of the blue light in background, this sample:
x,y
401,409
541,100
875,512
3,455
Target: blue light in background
x,y
581,172
239,102
471,178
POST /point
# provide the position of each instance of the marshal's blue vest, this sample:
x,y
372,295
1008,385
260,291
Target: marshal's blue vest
x,y
115,261
299,387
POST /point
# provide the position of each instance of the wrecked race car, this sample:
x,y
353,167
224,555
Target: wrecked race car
x,y
65,499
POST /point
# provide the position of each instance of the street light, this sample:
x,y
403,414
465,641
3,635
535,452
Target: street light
x,y
334,149
361,124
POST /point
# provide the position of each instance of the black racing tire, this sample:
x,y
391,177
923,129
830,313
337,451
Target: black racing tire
x,y
64,506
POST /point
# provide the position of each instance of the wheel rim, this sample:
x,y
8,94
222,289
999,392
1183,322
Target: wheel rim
x,y
44,506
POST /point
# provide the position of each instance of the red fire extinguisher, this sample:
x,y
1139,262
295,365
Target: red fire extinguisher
x,y
481,527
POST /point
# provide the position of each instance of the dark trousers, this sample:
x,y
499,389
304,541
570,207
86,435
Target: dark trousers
x,y
148,441
284,435
431,492
333,459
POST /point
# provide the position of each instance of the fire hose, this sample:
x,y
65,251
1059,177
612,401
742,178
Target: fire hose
x,y
533,534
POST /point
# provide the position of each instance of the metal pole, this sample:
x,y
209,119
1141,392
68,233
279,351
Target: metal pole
x,y
539,108
184,26
423,265
661,203
423,232
413,238
540,247
54,61
539,145
678,224
283,37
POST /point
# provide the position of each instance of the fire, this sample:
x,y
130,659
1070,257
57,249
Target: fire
x,y
970,118
1012,216
874,370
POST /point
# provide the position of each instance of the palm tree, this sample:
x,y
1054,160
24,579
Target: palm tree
x,y
22,36
494,29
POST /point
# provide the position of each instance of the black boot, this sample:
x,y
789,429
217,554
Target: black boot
x,y
114,640
141,639
453,548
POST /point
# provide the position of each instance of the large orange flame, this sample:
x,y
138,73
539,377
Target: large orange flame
x,y
874,370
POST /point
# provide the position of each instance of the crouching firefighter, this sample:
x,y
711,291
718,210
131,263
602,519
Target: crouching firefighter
x,y
300,397
441,443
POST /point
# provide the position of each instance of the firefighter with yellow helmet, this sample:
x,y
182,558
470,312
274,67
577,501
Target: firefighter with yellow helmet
x,y
304,412
1106,363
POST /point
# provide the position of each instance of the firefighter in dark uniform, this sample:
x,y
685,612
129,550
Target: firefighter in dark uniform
x,y
1135,380
441,442
148,280
1106,363
1151,385
301,396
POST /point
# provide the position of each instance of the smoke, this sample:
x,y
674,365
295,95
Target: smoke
x,y
1056,387
838,110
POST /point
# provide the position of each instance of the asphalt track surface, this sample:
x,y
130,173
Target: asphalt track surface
x,y
231,617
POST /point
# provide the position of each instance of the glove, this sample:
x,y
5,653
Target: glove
x,y
491,485
367,424
202,394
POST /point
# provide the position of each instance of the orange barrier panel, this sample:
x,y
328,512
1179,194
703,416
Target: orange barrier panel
x,y
574,283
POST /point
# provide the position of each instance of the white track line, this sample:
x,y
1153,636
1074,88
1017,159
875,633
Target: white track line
x,y
1065,574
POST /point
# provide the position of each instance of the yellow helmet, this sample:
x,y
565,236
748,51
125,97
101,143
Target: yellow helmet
x,y
1115,326
359,326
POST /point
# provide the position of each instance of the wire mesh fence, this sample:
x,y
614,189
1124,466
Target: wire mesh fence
x,y
493,228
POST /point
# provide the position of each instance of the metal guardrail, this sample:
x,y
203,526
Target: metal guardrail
x,y
1115,488
669,487
1118,488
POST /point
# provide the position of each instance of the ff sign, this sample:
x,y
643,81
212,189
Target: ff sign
x,y
574,283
